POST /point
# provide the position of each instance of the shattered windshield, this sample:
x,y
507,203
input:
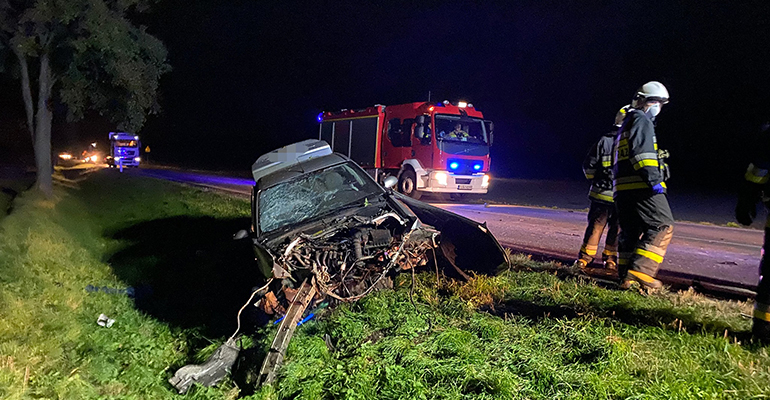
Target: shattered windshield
x,y
312,195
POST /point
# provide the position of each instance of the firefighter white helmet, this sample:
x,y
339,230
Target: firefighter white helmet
x,y
621,115
650,91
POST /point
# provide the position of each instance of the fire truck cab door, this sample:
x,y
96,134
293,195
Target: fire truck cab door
x,y
422,141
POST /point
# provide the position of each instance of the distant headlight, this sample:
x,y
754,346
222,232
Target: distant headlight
x,y
65,156
485,181
441,178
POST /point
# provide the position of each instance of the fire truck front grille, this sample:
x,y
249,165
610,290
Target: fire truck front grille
x,y
459,181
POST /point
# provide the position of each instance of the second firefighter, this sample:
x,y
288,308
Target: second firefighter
x,y
597,168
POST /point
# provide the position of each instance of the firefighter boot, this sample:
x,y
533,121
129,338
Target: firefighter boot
x,y
641,280
579,264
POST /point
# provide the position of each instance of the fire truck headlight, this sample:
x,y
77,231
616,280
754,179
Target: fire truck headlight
x,y
485,181
441,178
454,165
137,159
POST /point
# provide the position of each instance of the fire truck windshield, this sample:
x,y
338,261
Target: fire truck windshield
x,y
462,135
126,143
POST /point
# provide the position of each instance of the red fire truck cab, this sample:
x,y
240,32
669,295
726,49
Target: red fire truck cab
x,y
429,147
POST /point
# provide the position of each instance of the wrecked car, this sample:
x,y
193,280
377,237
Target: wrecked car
x,y
324,231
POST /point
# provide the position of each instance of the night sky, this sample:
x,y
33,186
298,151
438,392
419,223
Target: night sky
x,y
250,76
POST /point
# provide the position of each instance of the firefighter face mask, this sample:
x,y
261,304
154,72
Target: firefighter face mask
x,y
654,110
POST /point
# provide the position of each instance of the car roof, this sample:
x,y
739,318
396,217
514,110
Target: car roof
x,y
300,168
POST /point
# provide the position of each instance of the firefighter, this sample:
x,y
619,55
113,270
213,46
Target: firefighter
x,y
459,133
751,192
597,168
646,223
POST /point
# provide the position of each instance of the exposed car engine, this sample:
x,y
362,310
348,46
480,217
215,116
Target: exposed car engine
x,y
352,258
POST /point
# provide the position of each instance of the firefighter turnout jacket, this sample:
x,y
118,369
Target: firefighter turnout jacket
x,y
636,166
597,168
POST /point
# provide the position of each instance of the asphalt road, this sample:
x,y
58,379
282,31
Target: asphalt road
x,y
710,257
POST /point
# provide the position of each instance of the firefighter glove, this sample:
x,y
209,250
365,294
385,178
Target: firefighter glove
x,y
659,189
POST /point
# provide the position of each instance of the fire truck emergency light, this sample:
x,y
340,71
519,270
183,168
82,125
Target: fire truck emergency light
x,y
462,104
454,165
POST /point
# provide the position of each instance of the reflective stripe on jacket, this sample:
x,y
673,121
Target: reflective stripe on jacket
x,y
635,154
597,168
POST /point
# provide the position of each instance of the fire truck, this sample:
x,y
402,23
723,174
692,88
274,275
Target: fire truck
x,y
439,148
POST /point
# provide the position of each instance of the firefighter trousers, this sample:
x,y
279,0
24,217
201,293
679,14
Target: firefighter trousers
x,y
600,215
646,229
761,326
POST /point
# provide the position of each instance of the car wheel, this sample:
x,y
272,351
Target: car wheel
x,y
407,184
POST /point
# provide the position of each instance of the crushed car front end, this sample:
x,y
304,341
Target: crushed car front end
x,y
325,232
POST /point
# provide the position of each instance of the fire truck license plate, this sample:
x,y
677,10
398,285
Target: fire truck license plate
x,y
464,187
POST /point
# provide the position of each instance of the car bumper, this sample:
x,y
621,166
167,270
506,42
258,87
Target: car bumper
x,y
454,184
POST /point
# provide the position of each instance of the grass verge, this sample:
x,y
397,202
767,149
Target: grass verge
x,y
114,232
525,333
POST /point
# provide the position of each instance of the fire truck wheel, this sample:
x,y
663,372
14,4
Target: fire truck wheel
x,y
407,184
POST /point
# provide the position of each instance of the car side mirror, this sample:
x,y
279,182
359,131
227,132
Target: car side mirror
x,y
390,182
241,234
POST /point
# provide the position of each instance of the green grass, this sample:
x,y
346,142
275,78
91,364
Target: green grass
x,y
50,344
525,334
531,332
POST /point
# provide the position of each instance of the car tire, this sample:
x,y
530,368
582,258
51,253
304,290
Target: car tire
x,y
407,184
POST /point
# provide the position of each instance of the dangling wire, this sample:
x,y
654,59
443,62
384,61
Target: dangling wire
x,y
246,304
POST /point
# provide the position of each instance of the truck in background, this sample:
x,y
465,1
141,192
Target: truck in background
x,y
124,150
438,148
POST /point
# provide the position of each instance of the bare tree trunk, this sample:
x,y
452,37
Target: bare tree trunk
x,y
43,129
26,93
